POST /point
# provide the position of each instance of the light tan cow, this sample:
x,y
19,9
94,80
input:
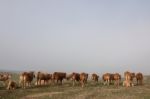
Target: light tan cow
x,y
26,78
128,79
95,77
139,78
130,76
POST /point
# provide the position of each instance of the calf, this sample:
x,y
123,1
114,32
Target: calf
x,y
11,85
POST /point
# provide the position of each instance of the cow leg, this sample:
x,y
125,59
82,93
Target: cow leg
x,y
40,82
61,82
118,82
115,82
140,82
108,82
104,82
73,82
82,84
37,82
20,83
57,81
45,82
24,84
29,84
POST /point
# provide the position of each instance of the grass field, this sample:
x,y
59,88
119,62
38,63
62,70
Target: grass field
x,y
67,91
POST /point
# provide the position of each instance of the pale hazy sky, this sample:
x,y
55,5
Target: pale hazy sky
x,y
75,35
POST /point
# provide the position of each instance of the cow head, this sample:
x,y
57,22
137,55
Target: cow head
x,y
133,75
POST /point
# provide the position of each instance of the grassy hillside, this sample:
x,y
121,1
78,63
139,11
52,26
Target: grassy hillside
x,y
67,91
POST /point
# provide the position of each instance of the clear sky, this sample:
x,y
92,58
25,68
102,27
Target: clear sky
x,y
75,35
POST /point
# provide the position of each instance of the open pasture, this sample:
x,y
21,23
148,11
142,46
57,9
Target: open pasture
x,y
92,90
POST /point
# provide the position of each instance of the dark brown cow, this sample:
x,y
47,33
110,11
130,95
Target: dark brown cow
x,y
43,76
83,79
95,77
58,76
26,78
139,78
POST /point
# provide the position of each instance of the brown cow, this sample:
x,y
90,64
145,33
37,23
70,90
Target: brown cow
x,y
106,78
83,79
139,78
117,79
43,76
95,77
26,78
75,77
58,76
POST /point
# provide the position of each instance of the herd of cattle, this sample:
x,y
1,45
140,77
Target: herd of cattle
x,y
26,78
